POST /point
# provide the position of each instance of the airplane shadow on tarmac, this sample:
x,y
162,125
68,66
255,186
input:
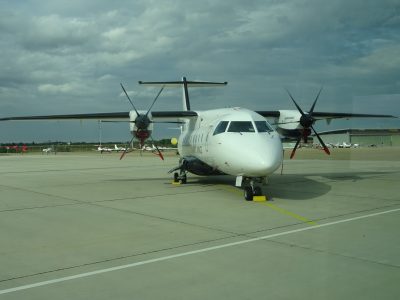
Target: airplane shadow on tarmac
x,y
302,187
293,186
144,179
286,186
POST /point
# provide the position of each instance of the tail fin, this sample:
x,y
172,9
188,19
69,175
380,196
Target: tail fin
x,y
185,85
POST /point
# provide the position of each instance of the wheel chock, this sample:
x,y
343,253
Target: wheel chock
x,y
175,183
259,198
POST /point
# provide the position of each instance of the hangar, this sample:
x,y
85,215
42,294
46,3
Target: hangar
x,y
363,137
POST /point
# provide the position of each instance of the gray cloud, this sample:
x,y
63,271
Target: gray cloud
x,y
69,56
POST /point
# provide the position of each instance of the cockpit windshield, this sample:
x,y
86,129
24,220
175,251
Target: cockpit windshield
x,y
241,126
221,127
263,126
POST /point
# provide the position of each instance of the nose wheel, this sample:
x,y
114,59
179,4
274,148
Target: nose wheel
x,y
251,186
250,192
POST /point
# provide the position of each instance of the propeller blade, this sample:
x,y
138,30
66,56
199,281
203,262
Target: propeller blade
x,y
159,153
315,101
298,107
321,142
158,150
126,149
155,99
129,99
295,147
123,154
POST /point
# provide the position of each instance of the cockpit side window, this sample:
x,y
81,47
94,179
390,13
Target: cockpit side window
x,y
221,127
263,126
241,126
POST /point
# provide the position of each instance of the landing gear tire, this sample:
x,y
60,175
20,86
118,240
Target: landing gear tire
x,y
257,191
176,177
183,179
248,193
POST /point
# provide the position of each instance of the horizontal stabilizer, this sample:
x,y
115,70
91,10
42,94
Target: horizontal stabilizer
x,y
185,84
179,83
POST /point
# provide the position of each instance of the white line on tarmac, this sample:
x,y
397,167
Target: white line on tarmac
x,y
145,262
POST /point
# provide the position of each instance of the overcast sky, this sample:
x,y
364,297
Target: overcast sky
x,y
70,56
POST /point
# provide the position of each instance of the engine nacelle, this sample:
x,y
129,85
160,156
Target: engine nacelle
x,y
141,126
132,117
289,119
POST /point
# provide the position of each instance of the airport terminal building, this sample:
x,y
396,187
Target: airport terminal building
x,y
363,137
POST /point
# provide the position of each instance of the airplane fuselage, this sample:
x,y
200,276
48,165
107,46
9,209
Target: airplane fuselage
x,y
232,141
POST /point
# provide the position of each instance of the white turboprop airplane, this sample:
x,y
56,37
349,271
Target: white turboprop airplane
x,y
233,141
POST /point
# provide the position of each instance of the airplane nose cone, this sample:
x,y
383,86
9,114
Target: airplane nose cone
x,y
254,157
262,163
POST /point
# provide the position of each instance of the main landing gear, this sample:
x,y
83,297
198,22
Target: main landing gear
x,y
251,186
180,177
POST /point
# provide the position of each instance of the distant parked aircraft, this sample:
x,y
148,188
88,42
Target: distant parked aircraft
x,y
118,149
104,149
48,150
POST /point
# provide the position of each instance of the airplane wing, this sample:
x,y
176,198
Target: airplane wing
x,y
159,115
94,116
104,116
173,117
326,115
174,114
269,113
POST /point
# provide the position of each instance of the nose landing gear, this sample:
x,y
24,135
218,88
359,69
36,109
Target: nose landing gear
x,y
251,187
250,192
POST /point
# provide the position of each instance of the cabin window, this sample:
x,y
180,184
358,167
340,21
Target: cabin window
x,y
221,127
263,126
241,126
